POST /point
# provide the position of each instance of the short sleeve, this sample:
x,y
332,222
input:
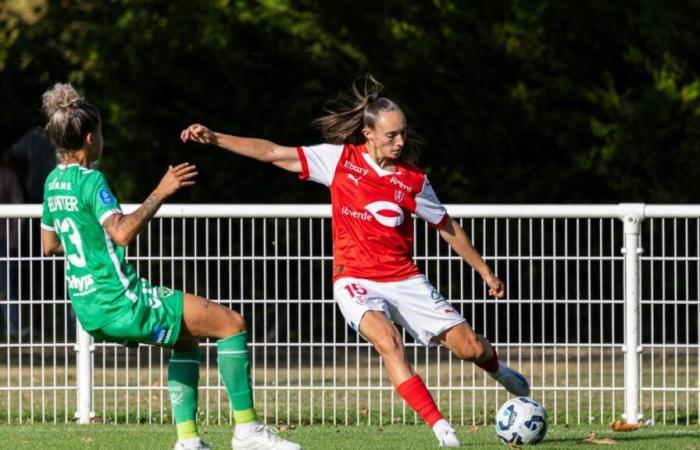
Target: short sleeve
x,y
428,207
46,218
318,162
98,196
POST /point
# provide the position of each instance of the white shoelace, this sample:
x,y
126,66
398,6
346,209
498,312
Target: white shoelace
x,y
269,431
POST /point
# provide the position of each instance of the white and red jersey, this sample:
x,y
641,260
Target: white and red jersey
x,y
372,207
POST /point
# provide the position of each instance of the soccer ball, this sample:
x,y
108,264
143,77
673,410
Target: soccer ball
x,y
521,421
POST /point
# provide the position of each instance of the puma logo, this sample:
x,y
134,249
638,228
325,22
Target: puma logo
x,y
354,179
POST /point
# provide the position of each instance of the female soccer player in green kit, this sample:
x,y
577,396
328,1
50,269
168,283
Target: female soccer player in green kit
x,y
82,219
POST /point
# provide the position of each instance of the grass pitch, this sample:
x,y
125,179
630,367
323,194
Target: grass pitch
x,y
132,437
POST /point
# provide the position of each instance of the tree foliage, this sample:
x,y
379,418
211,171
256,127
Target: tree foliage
x,y
517,101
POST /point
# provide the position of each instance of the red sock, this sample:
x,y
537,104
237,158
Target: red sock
x,y
417,396
492,364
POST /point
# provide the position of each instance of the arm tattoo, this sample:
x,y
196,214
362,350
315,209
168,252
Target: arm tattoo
x,y
130,225
147,209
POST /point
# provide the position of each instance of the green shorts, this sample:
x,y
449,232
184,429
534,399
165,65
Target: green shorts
x,y
155,318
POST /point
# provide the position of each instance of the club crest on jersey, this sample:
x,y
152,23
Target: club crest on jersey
x,y
387,213
398,196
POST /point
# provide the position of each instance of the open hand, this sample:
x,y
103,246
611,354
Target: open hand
x,y
175,178
199,133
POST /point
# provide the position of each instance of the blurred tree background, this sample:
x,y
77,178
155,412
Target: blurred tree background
x,y
517,101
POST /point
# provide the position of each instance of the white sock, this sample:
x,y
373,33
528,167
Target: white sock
x,y
244,430
441,426
190,442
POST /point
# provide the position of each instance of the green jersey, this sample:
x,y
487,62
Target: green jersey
x,y
101,285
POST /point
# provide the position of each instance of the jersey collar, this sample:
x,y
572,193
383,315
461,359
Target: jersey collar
x,y
378,170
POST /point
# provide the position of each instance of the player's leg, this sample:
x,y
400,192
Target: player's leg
x,y
364,307
366,311
386,339
465,344
202,318
183,381
423,312
156,317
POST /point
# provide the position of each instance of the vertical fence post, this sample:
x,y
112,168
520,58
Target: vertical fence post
x,y
632,217
84,347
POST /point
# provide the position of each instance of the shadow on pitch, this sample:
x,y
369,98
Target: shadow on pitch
x,y
650,435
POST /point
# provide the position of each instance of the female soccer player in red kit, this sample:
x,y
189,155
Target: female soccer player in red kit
x,y
374,190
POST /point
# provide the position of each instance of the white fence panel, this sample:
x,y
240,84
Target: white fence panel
x,y
562,322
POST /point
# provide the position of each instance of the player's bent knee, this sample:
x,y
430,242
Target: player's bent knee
x,y
236,321
186,344
389,346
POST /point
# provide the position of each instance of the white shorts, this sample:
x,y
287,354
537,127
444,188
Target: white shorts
x,y
413,303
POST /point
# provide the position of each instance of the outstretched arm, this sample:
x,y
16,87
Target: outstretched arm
x,y
123,228
285,157
457,238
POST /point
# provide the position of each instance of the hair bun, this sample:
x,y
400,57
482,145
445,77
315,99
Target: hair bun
x,y
61,96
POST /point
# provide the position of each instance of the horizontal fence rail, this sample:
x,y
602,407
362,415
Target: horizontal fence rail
x,y
601,314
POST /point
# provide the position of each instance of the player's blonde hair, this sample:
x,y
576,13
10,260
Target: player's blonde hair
x,y
70,117
345,126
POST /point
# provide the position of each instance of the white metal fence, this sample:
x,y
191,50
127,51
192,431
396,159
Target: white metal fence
x,y
593,346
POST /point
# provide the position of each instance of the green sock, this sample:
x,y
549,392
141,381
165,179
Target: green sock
x,y
183,378
234,366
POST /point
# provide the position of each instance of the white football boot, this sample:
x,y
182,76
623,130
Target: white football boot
x,y
262,438
512,380
446,434
191,444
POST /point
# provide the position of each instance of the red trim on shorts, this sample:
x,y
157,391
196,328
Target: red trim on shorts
x,y
304,174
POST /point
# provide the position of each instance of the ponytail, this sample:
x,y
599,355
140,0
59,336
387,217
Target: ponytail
x,y
365,105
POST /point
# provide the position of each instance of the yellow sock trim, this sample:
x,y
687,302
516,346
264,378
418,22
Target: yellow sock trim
x,y
245,416
187,429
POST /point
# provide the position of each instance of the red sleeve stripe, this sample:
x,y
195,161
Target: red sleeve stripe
x,y
304,175
443,221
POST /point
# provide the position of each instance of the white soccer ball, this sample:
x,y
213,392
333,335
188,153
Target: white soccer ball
x,y
521,421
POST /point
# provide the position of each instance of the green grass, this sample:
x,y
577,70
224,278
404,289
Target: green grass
x,y
133,437
126,395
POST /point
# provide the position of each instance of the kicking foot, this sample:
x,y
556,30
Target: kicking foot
x,y
513,381
445,434
191,444
262,438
